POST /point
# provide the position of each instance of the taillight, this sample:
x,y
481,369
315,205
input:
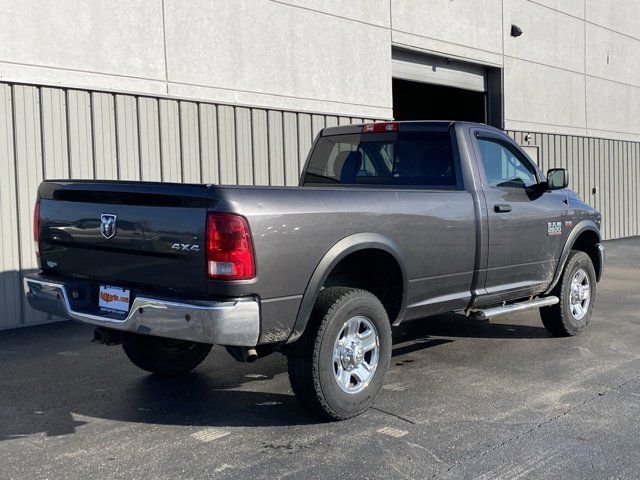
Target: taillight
x,y
229,248
380,127
36,227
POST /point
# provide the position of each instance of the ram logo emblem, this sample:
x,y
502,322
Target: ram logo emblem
x,y
108,226
554,228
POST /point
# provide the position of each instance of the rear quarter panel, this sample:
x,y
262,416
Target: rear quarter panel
x,y
293,228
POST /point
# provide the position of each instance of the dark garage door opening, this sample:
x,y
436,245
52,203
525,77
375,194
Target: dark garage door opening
x,y
424,101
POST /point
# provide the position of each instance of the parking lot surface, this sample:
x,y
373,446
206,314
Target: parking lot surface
x,y
464,399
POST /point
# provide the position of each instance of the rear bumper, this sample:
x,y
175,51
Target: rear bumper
x,y
233,322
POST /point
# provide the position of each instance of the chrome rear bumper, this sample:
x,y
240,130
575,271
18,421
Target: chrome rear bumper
x,y
234,322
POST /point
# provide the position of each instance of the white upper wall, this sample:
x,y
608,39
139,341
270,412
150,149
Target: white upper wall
x,y
575,69
265,53
456,28
110,45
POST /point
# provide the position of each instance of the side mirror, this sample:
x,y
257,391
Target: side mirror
x,y
557,178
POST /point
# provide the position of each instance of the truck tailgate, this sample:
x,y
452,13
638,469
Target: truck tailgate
x,y
146,235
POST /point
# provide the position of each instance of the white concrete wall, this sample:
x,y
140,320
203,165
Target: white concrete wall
x,y
575,70
264,52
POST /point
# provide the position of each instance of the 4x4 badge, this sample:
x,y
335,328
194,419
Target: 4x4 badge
x,y
108,225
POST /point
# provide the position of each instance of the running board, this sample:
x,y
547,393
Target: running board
x,y
515,307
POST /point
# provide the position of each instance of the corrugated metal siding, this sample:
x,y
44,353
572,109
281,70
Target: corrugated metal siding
x,y
63,133
57,133
604,172
10,291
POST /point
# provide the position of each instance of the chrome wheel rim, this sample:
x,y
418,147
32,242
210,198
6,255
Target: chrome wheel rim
x,y
356,353
580,295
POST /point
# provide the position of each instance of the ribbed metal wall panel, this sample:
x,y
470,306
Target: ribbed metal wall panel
x,y
104,135
190,142
209,143
276,147
149,139
260,144
244,147
604,172
170,152
27,149
80,134
65,133
10,291
55,148
57,133
127,137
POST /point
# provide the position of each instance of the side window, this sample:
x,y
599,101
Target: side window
x,y
505,167
331,158
423,159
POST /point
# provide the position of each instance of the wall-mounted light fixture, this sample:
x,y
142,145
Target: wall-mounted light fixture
x,y
516,31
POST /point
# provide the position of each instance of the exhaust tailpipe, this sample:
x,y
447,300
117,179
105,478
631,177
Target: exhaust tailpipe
x,y
249,354
243,354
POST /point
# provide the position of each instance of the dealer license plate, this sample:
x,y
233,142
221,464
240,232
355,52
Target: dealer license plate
x,y
113,299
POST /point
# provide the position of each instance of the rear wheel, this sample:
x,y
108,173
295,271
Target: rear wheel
x,y
576,290
338,366
164,356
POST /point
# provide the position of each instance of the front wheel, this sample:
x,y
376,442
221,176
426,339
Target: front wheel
x,y
338,366
577,292
164,356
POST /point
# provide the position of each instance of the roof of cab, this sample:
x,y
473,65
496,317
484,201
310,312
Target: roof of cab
x,y
406,126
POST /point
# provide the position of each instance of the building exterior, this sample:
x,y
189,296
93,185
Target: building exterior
x,y
233,91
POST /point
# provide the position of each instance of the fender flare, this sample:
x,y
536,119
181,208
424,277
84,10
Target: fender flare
x,y
581,227
340,250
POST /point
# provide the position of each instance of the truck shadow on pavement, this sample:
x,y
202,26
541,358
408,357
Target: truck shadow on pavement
x,y
54,380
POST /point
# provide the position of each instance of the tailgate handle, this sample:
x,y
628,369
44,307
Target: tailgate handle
x,y
502,208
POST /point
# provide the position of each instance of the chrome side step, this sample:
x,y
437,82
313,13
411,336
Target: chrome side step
x,y
514,307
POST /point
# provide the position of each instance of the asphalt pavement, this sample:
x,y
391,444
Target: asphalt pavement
x,y
464,399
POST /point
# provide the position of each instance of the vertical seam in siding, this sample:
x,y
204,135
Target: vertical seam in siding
x,y
15,173
235,142
93,135
269,160
69,149
297,137
253,150
161,156
138,129
44,153
116,123
180,141
284,156
200,142
219,160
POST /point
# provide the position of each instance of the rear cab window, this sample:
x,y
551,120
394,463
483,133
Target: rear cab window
x,y
423,159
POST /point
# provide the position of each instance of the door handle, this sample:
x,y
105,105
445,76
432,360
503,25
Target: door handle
x,y
502,208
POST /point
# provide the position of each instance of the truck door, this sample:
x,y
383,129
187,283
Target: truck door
x,y
525,221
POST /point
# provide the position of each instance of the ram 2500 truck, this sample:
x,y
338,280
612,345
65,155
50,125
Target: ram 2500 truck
x,y
390,222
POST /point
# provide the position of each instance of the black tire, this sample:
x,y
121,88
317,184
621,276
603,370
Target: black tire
x,y
310,359
558,319
164,356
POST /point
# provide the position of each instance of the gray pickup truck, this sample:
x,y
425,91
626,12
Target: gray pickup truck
x,y
391,222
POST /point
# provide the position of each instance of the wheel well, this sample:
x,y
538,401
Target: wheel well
x,y
374,270
587,242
